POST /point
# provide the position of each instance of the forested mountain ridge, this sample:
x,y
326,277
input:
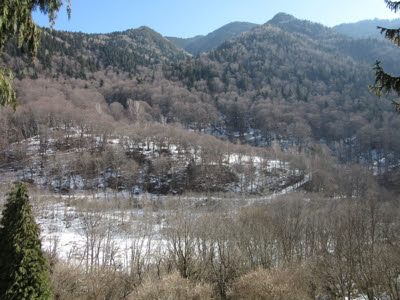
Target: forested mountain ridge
x,y
75,54
212,40
288,80
287,84
313,30
183,42
365,49
366,28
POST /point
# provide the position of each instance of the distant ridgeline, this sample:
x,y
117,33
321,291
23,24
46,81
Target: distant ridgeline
x,y
366,28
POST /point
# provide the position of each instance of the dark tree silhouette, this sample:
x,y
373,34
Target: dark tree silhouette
x,y
23,264
16,22
384,82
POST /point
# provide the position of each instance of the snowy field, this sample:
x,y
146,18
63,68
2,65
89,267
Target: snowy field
x,y
75,226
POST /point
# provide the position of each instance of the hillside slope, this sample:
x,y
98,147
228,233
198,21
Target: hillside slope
x,y
288,80
212,40
366,28
364,48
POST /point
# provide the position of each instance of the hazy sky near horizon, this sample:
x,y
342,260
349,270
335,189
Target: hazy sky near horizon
x,y
185,18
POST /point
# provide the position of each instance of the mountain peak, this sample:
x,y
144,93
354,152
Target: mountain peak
x,y
311,29
281,18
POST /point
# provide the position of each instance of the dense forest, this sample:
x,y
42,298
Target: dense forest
x,y
289,80
251,163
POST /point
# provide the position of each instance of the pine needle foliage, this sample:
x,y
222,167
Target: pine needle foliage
x,y
393,5
7,93
385,83
16,23
24,270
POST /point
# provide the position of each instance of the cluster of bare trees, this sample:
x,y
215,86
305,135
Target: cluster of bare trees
x,y
73,148
291,248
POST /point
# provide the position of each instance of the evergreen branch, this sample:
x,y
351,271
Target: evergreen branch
x,y
16,22
391,34
385,84
393,5
7,93
396,105
51,7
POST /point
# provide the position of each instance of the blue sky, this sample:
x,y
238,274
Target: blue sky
x,y
186,18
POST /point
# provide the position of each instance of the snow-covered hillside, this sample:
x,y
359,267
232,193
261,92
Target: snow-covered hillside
x,y
75,160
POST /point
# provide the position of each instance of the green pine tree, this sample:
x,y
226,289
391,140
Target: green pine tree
x,y
24,270
384,82
16,23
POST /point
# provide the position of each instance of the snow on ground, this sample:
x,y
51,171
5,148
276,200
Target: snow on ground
x,y
256,174
76,233
69,227
285,191
71,223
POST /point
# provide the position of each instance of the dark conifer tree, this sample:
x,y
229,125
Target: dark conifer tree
x,y
386,83
24,270
16,22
